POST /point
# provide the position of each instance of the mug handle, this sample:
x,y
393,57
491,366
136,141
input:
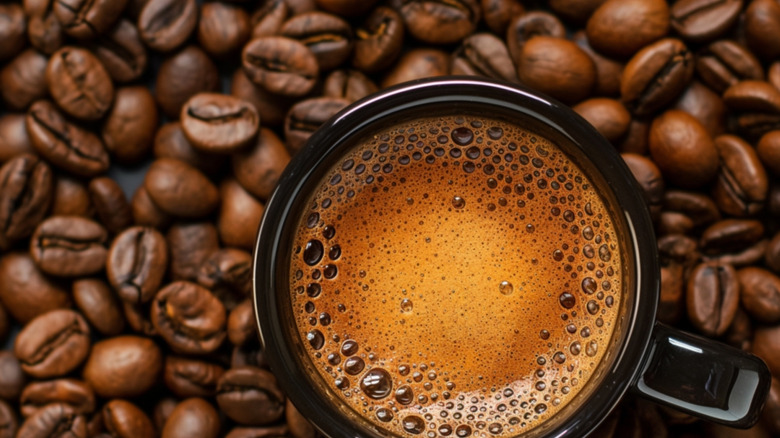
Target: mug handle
x,y
704,378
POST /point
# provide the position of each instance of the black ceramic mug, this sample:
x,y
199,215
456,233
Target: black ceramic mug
x,y
686,372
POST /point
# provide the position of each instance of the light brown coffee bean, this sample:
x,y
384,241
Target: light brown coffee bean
x,y
280,65
193,417
64,144
23,79
25,291
222,28
526,26
760,294
622,27
241,324
129,129
608,116
136,263
724,63
123,367
79,83
683,149
762,27
712,297
53,344
258,169
219,123
557,67
166,24
656,75
13,137
12,378
755,108
703,20
69,246
742,183
76,394
125,420
86,19
417,64
239,215
99,305
179,189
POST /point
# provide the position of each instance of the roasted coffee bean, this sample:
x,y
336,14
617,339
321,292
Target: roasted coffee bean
x,y
773,74
268,18
13,31
307,116
8,421
250,354
327,36
193,417
191,377
79,83
748,255
190,244
129,129
729,235
378,41
772,257
250,396
183,75
297,7
703,20
69,246
437,22
608,116
678,249
166,24
672,222
239,215
756,107
170,142
146,213
348,84
524,27
25,291
498,13
228,274
742,181
75,394
84,19
622,27
768,149
97,302
770,416
740,333
64,144
121,52
700,208
223,28
483,54
557,67
123,367
70,198
649,178
712,297
418,64
683,149
608,70
23,79
241,324
26,184
280,65
12,379
219,123
762,27
298,425
270,107
346,7
705,105
760,294
635,139
110,204
136,263
53,344
54,420
725,62
656,75
43,28
13,137
180,189
189,317
766,344
125,420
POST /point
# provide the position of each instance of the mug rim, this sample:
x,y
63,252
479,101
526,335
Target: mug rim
x,y
624,369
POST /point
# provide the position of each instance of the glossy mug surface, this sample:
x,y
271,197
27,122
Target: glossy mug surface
x,y
460,257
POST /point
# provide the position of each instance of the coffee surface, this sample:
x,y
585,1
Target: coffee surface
x,y
456,275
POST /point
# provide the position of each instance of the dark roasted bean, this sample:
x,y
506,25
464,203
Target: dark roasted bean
x,y
85,19
53,344
306,116
26,185
348,84
713,294
69,246
129,128
702,20
76,394
724,63
136,263
25,291
54,420
219,123
126,420
683,149
110,204
742,181
23,79
280,65
13,30
121,52
166,24
99,305
179,189
189,317
760,294
12,378
436,22
183,75
191,377
705,105
483,54
193,417
523,27
79,83
417,64
223,28
327,36
250,396
228,274
190,244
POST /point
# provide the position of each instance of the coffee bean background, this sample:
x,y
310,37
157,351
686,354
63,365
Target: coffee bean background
x,y
140,139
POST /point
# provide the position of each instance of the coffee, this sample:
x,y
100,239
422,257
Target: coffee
x,y
460,275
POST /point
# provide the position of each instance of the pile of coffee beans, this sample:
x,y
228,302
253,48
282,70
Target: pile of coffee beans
x,y
128,313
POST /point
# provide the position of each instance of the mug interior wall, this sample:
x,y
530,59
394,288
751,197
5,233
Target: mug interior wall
x,y
590,151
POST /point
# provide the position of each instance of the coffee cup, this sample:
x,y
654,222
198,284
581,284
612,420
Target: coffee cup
x,y
465,257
